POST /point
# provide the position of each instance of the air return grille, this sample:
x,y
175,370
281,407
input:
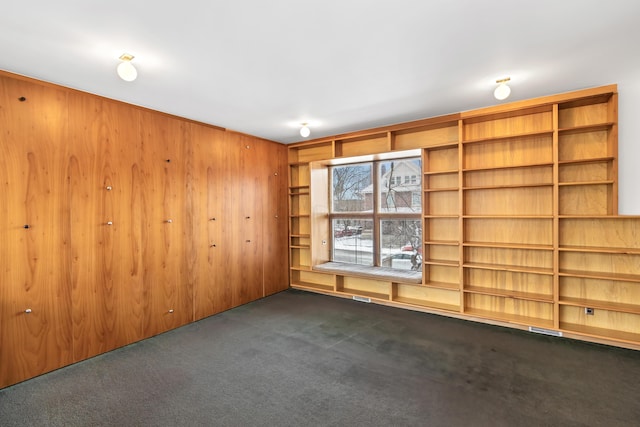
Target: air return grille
x,y
545,331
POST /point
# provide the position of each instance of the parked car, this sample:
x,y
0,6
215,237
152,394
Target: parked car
x,y
354,230
343,233
409,248
348,231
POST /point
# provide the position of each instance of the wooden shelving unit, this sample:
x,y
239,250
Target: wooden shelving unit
x,y
520,224
599,276
441,210
508,206
299,211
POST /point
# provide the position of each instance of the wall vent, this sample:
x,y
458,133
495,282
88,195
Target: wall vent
x,y
545,331
361,299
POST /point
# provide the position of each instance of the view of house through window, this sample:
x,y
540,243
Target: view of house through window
x,y
376,213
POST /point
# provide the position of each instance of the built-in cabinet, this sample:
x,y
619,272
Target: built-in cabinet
x,y
35,296
119,223
520,224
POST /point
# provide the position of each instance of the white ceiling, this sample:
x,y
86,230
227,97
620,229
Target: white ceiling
x,y
262,67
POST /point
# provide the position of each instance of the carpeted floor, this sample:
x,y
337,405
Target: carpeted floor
x,y
301,359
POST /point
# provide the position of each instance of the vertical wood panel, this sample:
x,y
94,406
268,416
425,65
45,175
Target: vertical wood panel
x,y
107,264
212,291
167,291
243,205
34,273
232,246
274,249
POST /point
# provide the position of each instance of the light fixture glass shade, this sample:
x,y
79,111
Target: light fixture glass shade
x,y
127,71
305,131
502,91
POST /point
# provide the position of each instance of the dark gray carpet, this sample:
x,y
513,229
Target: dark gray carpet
x,y
301,359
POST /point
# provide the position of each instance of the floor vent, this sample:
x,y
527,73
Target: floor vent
x,y
545,331
361,299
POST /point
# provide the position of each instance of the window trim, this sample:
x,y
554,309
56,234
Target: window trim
x,y
376,216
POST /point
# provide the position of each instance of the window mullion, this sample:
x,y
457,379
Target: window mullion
x,y
376,222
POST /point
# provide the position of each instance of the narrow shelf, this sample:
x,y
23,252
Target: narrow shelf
x,y
548,132
441,172
451,144
601,332
299,187
615,217
508,216
300,268
601,275
594,249
300,235
588,160
443,242
510,318
426,304
434,190
313,286
490,168
590,217
508,294
586,128
441,262
507,246
494,187
513,268
441,216
300,193
565,184
443,285
586,216
300,246
300,216
602,305
361,293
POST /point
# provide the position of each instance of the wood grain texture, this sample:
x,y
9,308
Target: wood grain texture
x,y
107,260
167,291
119,201
512,124
212,291
34,266
274,248
243,204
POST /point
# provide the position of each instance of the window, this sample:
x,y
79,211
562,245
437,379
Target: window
x,y
376,213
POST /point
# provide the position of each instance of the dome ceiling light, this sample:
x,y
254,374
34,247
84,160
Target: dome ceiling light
x,y
126,70
502,91
304,130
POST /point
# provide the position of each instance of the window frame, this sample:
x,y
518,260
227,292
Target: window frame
x,y
375,215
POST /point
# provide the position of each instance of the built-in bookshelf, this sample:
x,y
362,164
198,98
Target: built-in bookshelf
x,y
520,224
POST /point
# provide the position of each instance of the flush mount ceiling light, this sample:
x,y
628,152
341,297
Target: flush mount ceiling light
x,y
502,91
304,130
126,70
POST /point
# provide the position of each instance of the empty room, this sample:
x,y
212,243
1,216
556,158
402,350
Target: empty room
x,y
337,213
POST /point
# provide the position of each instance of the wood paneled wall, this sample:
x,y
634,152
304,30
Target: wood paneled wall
x,y
118,223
